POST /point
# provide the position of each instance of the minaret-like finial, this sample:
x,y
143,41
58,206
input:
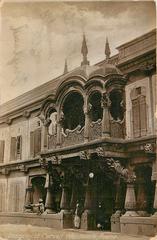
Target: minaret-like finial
x,y
65,67
107,49
84,51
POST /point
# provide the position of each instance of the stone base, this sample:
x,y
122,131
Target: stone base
x,y
67,219
115,222
138,225
57,220
88,220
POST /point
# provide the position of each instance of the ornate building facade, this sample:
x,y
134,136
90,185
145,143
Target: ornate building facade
x,y
87,138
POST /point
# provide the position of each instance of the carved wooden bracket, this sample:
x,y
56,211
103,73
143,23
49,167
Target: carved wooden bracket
x,y
84,155
8,121
26,114
100,152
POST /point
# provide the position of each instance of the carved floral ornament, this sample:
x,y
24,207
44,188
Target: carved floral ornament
x,y
45,162
114,166
84,155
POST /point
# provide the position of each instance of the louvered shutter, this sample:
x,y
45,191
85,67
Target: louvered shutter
x,y
136,117
13,149
2,144
143,115
19,147
32,144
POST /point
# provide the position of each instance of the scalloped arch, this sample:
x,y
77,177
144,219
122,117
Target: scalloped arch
x,y
75,83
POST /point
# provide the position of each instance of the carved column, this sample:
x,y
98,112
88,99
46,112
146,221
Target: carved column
x,y
106,117
118,200
64,205
73,197
130,199
49,203
65,201
115,218
87,109
88,217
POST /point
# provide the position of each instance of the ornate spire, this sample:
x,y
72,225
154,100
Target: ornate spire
x,y
84,51
107,49
65,67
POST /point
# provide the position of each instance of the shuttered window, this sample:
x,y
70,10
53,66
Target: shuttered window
x,y
139,116
2,146
35,142
16,148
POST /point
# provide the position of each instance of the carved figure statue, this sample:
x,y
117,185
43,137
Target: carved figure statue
x,y
40,205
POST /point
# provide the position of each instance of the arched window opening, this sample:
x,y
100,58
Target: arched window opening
x,y
96,111
139,112
52,130
116,108
73,111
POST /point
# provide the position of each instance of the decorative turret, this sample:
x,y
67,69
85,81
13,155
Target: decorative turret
x,y
84,51
107,49
65,67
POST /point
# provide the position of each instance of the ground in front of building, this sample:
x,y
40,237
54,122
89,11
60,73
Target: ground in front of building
x,y
28,232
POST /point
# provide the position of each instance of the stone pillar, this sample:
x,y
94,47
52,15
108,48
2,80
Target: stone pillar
x,y
88,217
73,201
115,218
49,203
106,117
130,200
64,204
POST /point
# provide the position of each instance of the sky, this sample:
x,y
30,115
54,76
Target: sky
x,y
37,37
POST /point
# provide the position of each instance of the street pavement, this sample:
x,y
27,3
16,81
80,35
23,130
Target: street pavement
x,y
28,232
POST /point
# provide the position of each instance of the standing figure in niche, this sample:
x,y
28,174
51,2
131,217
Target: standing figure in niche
x,y
40,205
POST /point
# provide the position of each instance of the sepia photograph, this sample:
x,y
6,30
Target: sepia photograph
x,y
78,120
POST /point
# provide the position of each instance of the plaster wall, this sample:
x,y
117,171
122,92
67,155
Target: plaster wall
x,y
19,127
16,203
139,83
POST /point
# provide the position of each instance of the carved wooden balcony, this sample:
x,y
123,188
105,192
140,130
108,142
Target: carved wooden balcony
x,y
72,137
52,141
95,130
117,129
